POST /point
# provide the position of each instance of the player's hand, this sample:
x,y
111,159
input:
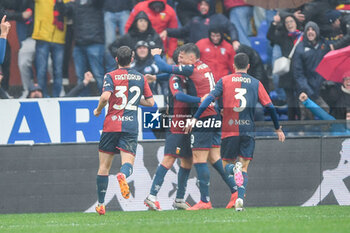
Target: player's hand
x,y
236,44
163,35
150,78
189,125
299,16
5,27
96,112
280,134
303,97
203,97
156,51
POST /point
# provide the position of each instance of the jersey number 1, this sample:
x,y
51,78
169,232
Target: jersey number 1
x,y
121,94
240,92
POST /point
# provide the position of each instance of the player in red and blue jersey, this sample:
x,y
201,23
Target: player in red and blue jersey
x,y
122,90
240,93
177,143
205,141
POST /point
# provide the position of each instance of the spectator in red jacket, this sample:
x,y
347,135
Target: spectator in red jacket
x,y
217,53
162,16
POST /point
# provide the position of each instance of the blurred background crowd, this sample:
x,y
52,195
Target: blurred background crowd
x,y
62,48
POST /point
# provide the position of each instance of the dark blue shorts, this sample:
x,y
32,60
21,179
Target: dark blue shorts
x,y
114,142
204,138
242,146
178,145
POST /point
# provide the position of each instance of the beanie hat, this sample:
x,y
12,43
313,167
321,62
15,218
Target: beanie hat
x,y
314,26
332,15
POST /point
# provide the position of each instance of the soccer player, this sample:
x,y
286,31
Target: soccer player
x,y
205,142
240,93
122,89
177,143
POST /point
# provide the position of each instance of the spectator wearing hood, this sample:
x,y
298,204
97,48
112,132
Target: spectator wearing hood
x,y
337,96
144,63
285,32
140,30
217,53
89,38
161,16
307,56
198,27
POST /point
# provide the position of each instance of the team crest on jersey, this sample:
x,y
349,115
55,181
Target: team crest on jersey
x,y
162,15
223,50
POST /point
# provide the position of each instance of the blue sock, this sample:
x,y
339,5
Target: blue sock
x,y
182,178
229,180
241,190
126,169
102,184
203,176
158,179
229,168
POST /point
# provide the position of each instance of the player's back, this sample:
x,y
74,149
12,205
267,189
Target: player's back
x,y
200,83
240,95
127,87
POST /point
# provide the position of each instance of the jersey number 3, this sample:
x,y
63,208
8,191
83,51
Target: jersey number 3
x,y
240,92
125,104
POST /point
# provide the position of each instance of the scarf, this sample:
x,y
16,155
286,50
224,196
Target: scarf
x,y
296,34
58,19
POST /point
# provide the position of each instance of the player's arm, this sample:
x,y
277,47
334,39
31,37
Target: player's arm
x,y
102,102
185,70
107,90
265,100
148,101
177,91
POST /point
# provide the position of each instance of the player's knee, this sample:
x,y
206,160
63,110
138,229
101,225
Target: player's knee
x,y
168,161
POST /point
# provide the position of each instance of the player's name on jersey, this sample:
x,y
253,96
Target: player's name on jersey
x,y
127,77
202,66
241,79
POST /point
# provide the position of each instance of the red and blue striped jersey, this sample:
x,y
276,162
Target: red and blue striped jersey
x,y
127,87
240,93
200,82
177,109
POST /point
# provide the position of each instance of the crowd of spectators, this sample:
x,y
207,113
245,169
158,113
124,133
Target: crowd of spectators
x,y
49,31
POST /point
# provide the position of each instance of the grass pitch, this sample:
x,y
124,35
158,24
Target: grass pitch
x,y
267,219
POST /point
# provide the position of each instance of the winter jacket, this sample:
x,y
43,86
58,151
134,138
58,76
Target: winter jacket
x,y
198,27
186,10
279,35
337,97
160,22
146,66
44,29
88,21
117,5
305,60
256,68
133,36
218,57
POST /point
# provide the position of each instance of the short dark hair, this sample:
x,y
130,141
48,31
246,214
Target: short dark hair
x,y
191,48
124,55
176,54
241,61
